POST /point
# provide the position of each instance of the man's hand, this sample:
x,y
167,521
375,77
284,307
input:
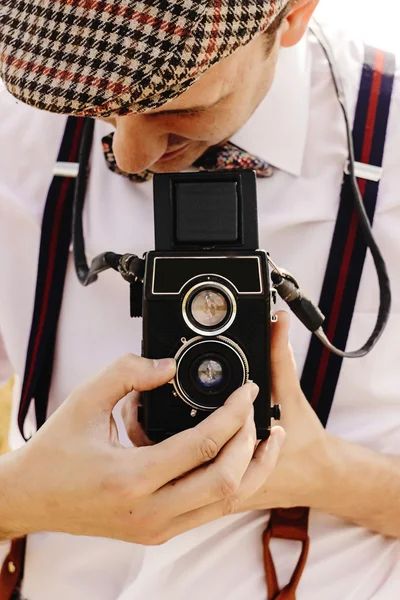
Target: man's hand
x,y
322,471
74,476
304,462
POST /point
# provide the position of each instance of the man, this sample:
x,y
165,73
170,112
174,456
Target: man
x,y
273,97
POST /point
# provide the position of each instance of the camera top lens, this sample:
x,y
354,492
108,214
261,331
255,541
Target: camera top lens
x,y
209,308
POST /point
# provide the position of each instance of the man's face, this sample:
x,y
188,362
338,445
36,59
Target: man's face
x,y
172,137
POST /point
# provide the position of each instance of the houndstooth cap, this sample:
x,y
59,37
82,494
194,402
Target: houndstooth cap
x,y
103,57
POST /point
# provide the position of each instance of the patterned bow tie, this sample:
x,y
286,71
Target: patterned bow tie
x,y
226,157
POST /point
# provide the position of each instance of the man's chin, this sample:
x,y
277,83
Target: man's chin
x,y
180,163
172,166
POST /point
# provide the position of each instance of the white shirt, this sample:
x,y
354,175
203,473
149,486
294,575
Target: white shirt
x,y
298,129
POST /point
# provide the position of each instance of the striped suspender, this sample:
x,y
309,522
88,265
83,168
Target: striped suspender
x,y
348,251
339,292
53,258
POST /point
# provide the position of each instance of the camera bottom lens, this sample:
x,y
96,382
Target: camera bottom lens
x,y
208,371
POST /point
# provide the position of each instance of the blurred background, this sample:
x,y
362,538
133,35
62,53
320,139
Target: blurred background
x,y
374,20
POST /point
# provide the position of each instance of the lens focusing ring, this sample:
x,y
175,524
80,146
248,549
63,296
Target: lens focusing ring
x,y
190,297
225,351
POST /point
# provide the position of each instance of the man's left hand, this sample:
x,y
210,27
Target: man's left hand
x,y
304,462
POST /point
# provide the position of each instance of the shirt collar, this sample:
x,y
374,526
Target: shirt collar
x,y
277,130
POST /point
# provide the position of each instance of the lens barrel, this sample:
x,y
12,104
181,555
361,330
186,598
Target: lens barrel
x,y
208,371
209,308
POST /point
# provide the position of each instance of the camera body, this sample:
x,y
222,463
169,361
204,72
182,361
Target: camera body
x,y
207,300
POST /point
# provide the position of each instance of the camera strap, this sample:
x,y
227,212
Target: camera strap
x,y
339,292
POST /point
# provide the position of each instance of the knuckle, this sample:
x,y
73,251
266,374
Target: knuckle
x,y
139,487
227,484
126,487
126,362
158,538
207,449
113,483
230,504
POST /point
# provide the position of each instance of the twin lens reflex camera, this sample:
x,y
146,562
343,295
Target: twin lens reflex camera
x,y
207,300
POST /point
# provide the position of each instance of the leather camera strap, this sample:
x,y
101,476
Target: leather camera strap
x,y
339,293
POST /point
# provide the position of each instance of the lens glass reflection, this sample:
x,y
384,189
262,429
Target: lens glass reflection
x,y
209,308
210,373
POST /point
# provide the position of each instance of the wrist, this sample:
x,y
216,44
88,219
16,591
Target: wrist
x,y
334,476
15,504
327,473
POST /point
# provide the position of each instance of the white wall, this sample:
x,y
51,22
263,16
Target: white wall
x,y
377,20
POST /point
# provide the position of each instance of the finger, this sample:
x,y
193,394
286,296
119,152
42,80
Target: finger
x,y
259,469
114,438
263,463
129,414
129,409
189,449
130,372
213,481
283,368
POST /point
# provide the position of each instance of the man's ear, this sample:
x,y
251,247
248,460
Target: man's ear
x,y
297,21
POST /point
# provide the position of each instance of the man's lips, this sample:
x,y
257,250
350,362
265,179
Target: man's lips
x,y
169,155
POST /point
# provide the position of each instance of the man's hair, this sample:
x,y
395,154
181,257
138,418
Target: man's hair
x,y
270,34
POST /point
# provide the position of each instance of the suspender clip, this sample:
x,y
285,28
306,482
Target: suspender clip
x,y
66,169
364,171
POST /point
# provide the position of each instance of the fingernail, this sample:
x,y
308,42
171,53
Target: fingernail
x,y
164,364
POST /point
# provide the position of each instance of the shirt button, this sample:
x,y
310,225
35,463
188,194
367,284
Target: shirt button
x,y
11,567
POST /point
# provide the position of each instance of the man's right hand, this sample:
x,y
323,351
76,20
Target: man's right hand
x,y
74,476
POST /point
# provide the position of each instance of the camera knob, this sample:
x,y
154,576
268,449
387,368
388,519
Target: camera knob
x,y
276,412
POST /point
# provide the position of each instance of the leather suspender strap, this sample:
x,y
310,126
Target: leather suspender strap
x,y
339,292
53,259
12,572
291,525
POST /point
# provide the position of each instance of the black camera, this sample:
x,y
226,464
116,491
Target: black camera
x,y
207,300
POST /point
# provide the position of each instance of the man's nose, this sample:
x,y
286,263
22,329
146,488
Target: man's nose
x,y
139,142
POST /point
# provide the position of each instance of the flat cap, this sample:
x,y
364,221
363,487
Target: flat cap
x,y
103,57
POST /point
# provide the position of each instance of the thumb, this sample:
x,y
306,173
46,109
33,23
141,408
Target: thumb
x,y
283,368
128,373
